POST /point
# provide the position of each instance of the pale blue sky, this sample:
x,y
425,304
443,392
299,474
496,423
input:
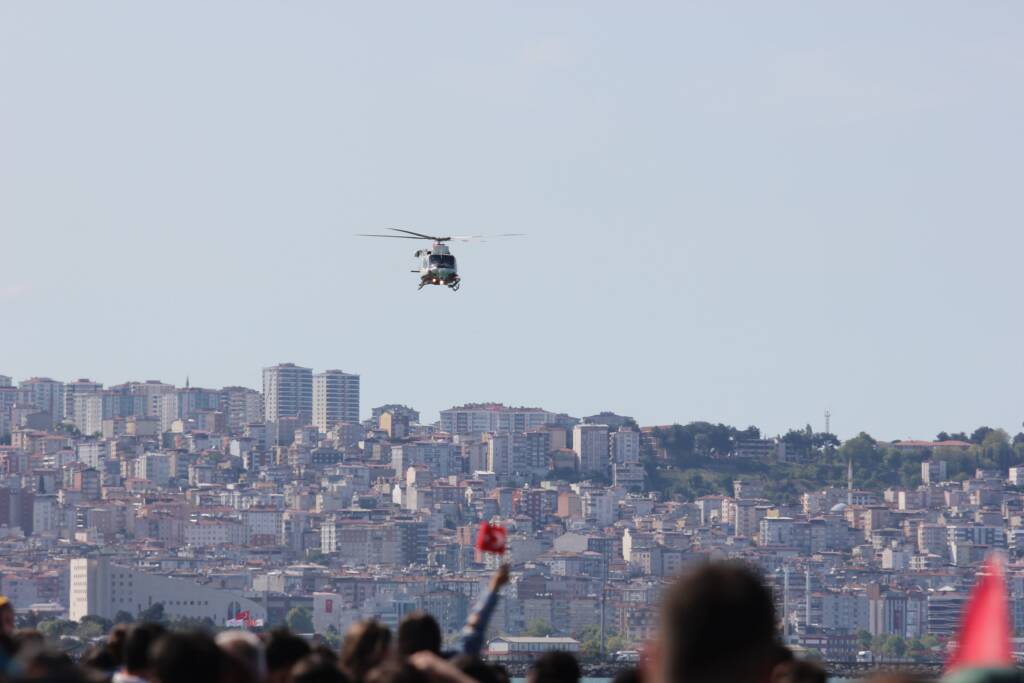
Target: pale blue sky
x,y
742,212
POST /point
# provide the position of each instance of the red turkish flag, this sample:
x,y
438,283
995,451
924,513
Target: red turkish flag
x,y
984,639
243,616
491,538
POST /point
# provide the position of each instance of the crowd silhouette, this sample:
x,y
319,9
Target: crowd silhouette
x,y
718,624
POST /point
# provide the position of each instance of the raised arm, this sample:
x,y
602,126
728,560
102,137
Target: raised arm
x,y
471,640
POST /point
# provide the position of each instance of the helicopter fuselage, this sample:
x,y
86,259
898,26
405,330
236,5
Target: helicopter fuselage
x,y
438,267
438,263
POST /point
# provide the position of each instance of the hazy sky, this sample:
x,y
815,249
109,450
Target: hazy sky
x,y
741,212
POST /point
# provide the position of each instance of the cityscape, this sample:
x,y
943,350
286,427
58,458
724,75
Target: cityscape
x,y
296,505
558,342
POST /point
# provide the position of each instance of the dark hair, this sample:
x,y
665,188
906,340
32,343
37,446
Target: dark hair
x,y
100,658
555,667
718,624
801,671
316,668
326,652
138,642
501,672
40,663
284,649
477,669
417,632
115,642
395,671
187,658
629,675
28,638
366,645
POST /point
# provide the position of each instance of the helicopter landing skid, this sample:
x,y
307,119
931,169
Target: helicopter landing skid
x,y
455,285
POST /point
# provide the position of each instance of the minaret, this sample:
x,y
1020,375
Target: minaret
x,y
849,482
807,599
785,604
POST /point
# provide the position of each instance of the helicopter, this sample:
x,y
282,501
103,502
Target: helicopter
x,y
438,266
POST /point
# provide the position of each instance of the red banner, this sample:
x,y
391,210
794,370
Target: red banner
x,y
491,538
984,639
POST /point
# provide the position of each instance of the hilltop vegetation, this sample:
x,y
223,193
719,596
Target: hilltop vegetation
x,y
700,460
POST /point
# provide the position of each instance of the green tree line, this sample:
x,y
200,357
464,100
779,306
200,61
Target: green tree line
x,y
697,461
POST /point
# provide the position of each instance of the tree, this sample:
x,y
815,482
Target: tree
x,y
869,460
825,440
590,642
539,628
192,624
300,620
864,639
797,440
333,638
67,428
615,642
153,614
123,617
89,629
53,629
93,626
979,434
749,434
895,646
103,623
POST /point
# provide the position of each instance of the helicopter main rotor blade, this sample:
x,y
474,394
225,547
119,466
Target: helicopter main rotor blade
x,y
410,235
394,237
467,238
420,234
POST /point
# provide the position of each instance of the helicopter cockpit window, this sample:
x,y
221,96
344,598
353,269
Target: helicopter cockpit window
x,y
442,260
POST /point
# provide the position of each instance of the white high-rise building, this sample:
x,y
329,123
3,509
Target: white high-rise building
x,y
87,413
8,397
499,455
79,387
149,396
335,399
625,446
45,514
168,411
287,392
591,445
494,417
244,406
45,394
933,471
